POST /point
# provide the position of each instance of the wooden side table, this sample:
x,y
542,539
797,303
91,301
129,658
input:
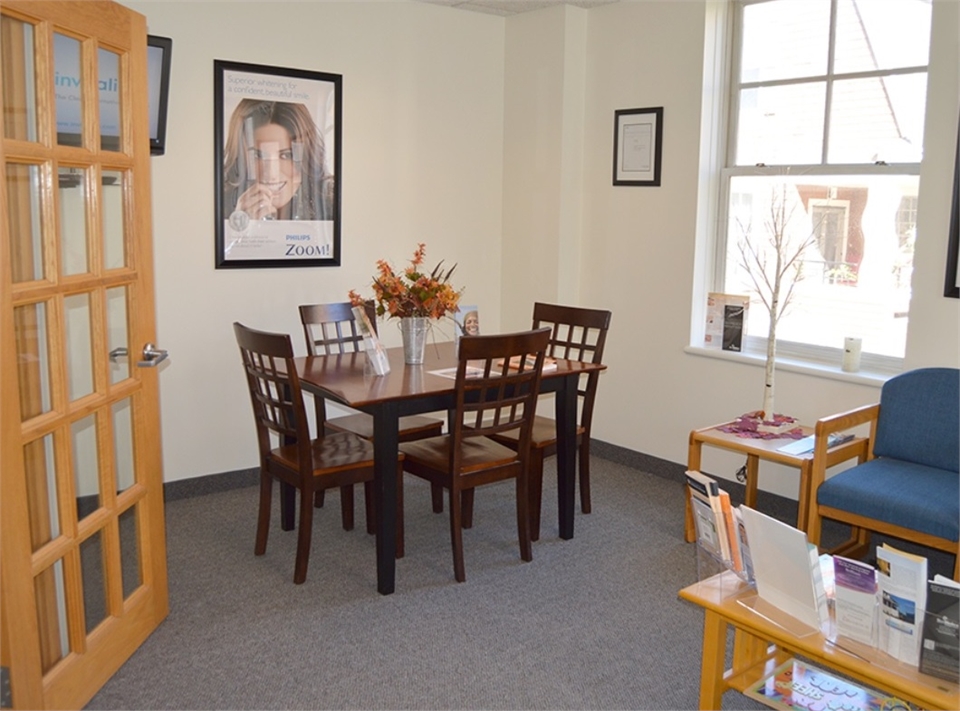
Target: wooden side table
x,y
765,449
759,645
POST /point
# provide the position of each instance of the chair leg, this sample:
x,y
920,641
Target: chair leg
x,y
535,491
318,498
584,454
436,495
456,535
466,501
346,506
523,518
304,534
263,516
369,506
400,529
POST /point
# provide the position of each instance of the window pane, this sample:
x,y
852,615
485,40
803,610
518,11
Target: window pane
x,y
878,119
882,34
108,70
23,221
33,359
66,58
39,465
854,277
781,125
19,86
112,199
79,345
785,39
73,223
86,465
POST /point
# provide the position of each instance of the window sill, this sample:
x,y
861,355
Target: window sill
x,y
820,370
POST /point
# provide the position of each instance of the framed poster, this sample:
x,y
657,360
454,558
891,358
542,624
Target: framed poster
x,y
277,165
951,286
637,146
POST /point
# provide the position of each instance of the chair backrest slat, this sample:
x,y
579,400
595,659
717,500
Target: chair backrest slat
x,y
576,334
275,392
493,397
330,329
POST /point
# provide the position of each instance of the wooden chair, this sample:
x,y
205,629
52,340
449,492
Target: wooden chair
x,y
331,329
287,453
494,400
909,485
575,334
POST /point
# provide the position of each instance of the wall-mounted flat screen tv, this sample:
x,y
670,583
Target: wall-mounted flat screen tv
x,y
67,85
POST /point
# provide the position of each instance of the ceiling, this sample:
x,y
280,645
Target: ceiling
x,y
513,7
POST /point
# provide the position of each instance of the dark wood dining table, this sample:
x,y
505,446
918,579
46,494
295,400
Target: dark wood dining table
x,y
414,389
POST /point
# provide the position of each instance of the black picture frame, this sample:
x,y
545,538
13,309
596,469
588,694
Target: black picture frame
x,y
277,186
951,285
637,146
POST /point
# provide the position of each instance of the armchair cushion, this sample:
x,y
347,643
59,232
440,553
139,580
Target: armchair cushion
x,y
920,419
914,496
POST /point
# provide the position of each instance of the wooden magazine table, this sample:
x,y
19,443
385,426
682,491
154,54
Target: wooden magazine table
x,y
766,449
759,645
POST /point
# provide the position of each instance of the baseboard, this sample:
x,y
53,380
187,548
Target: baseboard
x,y
210,484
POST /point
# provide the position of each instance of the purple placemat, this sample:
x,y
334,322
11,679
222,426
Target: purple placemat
x,y
747,426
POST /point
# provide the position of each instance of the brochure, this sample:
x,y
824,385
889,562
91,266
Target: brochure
x,y
940,653
798,686
902,582
856,599
372,347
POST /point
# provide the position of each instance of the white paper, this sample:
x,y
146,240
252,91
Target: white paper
x,y
784,567
856,600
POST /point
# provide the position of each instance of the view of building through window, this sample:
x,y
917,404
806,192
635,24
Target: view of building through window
x,y
828,108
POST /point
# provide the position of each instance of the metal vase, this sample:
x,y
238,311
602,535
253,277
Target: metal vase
x,y
414,331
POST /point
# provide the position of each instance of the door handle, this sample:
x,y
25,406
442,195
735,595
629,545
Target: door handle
x,y
116,354
152,356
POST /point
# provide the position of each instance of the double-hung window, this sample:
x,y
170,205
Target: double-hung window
x,y
825,137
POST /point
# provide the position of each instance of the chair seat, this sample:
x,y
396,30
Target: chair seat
x,y
412,427
478,453
544,433
914,496
337,451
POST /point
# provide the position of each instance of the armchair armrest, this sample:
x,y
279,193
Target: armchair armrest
x,y
835,423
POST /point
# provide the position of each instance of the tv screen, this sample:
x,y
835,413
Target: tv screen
x,y
67,84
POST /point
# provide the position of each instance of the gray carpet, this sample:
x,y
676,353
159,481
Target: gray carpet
x,y
591,623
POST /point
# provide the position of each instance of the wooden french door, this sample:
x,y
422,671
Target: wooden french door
x,y
83,579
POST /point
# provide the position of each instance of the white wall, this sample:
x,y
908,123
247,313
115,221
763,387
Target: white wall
x,y
422,162
491,140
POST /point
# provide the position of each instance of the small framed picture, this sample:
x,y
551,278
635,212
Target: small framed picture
x,y
637,146
467,319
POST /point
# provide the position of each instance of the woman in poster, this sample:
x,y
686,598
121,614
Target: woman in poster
x,y
274,164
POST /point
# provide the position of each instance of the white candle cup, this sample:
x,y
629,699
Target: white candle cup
x,y
851,354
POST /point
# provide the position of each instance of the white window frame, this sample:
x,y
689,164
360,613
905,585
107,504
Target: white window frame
x,y
754,346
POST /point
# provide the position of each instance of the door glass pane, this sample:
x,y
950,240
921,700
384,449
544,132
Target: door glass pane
x,y
781,124
785,39
23,221
92,572
117,341
108,64
86,467
19,80
66,78
129,552
880,118
123,443
40,469
114,255
881,34
73,223
51,615
33,362
76,312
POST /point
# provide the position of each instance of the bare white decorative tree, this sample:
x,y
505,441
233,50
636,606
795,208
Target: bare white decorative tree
x,y
771,255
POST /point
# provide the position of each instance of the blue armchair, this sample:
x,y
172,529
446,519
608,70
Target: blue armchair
x,y
908,486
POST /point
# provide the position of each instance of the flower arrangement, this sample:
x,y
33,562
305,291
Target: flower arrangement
x,y
412,292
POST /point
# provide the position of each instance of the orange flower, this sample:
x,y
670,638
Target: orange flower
x,y
414,293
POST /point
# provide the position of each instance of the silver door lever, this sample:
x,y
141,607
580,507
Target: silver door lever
x,y
152,356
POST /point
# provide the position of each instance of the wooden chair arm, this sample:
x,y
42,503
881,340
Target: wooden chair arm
x,y
835,423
